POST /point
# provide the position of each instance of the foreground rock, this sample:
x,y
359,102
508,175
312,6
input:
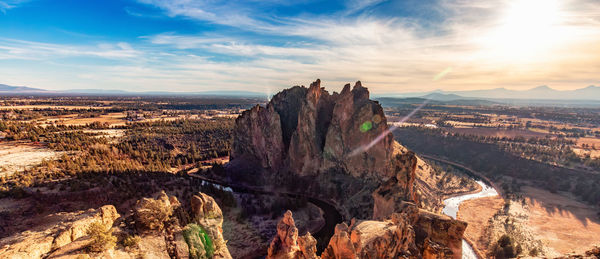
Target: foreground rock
x,y
412,233
287,245
156,227
207,214
60,230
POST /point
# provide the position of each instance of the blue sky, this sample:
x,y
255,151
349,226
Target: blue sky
x,y
392,46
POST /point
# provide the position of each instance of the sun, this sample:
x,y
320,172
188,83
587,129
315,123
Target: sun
x,y
526,29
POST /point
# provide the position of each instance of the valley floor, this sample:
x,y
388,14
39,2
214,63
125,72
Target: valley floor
x,y
15,157
561,223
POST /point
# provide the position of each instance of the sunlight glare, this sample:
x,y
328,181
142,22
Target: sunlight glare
x,y
527,29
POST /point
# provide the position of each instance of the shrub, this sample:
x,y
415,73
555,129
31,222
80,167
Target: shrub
x,y
505,247
199,242
101,237
131,241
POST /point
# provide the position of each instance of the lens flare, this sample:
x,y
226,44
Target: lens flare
x,y
366,126
442,74
366,147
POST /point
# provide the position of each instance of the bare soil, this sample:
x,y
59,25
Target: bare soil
x,y
562,223
477,213
16,157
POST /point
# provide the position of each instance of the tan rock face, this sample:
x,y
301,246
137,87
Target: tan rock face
x,y
391,193
356,122
310,131
287,245
61,230
442,230
207,213
151,214
258,137
409,233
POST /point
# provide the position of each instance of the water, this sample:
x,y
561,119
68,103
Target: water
x,y
451,209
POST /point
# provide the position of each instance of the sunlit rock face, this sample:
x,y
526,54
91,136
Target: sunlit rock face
x,y
258,137
333,145
317,131
288,245
408,233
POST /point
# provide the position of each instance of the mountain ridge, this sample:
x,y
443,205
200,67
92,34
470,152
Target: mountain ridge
x,y
542,92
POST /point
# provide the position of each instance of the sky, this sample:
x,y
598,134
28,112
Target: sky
x,y
268,45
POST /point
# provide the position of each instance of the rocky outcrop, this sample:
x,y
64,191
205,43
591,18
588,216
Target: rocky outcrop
x,y
358,125
60,230
339,146
333,145
410,233
288,245
372,239
391,193
439,235
307,131
207,214
258,138
151,214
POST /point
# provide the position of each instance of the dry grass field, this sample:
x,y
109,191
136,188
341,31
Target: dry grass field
x,y
477,212
492,132
113,119
563,224
17,157
56,107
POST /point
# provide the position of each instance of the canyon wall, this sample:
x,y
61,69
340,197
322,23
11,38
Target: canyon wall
x,y
336,146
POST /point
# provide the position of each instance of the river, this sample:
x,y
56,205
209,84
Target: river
x,y
332,216
451,209
330,213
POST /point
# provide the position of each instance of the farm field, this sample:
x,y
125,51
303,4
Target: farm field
x,y
16,157
564,224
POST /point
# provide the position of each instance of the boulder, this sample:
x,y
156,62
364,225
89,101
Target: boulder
x,y
207,214
151,214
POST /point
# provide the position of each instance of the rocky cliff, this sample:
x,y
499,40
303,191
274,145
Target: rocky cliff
x,y
337,146
308,131
156,227
409,233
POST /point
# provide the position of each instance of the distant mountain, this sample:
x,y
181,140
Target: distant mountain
x,y
442,97
540,93
18,89
591,93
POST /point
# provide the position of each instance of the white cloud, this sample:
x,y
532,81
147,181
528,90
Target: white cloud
x,y
20,49
387,54
9,4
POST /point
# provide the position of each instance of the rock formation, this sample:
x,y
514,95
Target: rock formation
x,y
207,214
411,233
287,245
60,230
309,131
338,146
161,223
335,145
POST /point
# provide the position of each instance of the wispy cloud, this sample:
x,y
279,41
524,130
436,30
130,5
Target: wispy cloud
x,y
29,50
9,4
258,50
